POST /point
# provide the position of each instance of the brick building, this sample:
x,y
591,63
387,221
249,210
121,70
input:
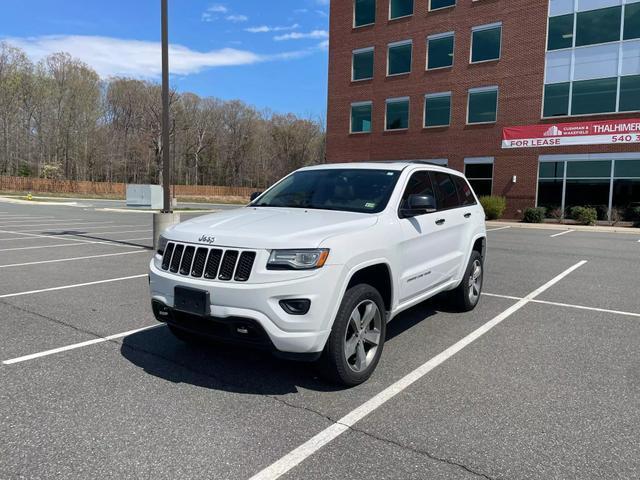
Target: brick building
x,y
535,100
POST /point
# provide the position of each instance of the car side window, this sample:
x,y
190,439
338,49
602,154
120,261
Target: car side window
x,y
419,184
446,191
464,191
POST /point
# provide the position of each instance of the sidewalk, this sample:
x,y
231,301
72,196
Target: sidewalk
x,y
559,226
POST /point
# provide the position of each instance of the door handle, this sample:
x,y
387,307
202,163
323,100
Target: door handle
x,y
440,222
467,215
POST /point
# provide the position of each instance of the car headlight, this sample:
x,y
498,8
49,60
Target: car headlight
x,y
162,245
297,259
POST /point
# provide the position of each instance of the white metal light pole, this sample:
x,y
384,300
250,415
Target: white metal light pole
x,y
166,218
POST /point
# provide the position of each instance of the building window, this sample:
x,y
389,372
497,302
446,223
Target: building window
x,y
437,110
400,8
479,172
632,21
556,100
362,64
399,58
630,93
594,96
361,117
603,184
482,105
438,4
397,114
364,12
440,50
486,43
598,26
560,32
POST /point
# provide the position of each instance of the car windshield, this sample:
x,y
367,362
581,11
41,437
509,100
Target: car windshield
x,y
349,190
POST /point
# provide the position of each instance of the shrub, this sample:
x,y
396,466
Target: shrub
x,y
584,215
494,207
534,215
557,214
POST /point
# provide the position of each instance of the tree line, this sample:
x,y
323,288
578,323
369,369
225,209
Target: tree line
x,y
59,119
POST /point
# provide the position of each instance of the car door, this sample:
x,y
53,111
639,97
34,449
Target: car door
x,y
451,224
422,245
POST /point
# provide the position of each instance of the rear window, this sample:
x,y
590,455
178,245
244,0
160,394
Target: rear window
x,y
465,194
446,191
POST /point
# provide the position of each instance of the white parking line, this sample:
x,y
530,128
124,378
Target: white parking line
x,y
74,224
75,235
77,345
67,287
300,454
90,227
61,260
496,229
50,219
562,233
568,305
57,237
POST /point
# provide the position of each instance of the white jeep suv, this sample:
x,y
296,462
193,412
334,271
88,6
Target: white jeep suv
x,y
316,266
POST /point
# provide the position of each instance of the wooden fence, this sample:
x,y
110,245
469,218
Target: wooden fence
x,y
41,185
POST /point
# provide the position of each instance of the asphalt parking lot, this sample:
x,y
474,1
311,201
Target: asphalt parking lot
x,y
541,381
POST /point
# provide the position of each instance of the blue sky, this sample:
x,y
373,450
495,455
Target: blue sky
x,y
269,53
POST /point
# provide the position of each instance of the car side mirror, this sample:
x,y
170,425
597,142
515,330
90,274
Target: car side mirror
x,y
417,205
255,195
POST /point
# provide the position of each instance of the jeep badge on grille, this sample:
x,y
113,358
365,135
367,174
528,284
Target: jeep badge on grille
x,y
207,239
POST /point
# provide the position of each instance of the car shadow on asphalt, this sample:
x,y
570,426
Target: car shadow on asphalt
x,y
241,369
94,238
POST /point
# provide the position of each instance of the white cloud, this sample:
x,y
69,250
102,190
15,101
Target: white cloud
x,y
316,34
237,18
217,9
267,29
118,57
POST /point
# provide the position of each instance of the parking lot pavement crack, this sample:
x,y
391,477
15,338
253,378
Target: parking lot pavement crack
x,y
419,451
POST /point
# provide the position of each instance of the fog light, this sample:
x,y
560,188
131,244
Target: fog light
x,y
299,306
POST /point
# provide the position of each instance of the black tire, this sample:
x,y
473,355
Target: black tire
x,y
184,336
333,364
461,298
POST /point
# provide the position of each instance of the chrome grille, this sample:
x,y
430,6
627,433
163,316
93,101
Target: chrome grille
x,y
209,263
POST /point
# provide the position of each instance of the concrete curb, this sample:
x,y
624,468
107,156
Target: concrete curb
x,y
18,201
557,226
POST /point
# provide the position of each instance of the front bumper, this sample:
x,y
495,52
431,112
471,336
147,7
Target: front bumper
x,y
257,305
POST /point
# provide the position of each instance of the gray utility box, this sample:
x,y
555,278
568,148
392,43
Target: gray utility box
x,y
145,196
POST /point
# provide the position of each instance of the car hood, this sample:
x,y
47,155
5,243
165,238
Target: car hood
x,y
269,228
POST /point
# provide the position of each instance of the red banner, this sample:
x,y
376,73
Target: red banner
x,y
582,133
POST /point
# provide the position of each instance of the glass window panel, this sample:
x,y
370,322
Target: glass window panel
x,y
397,115
419,184
626,197
464,191
435,4
361,118
600,61
483,107
594,96
550,194
363,65
560,7
600,168
365,12
556,100
486,44
401,8
446,191
630,93
560,32
551,169
627,168
437,111
478,170
588,193
558,68
632,21
598,26
631,58
400,59
482,188
440,53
